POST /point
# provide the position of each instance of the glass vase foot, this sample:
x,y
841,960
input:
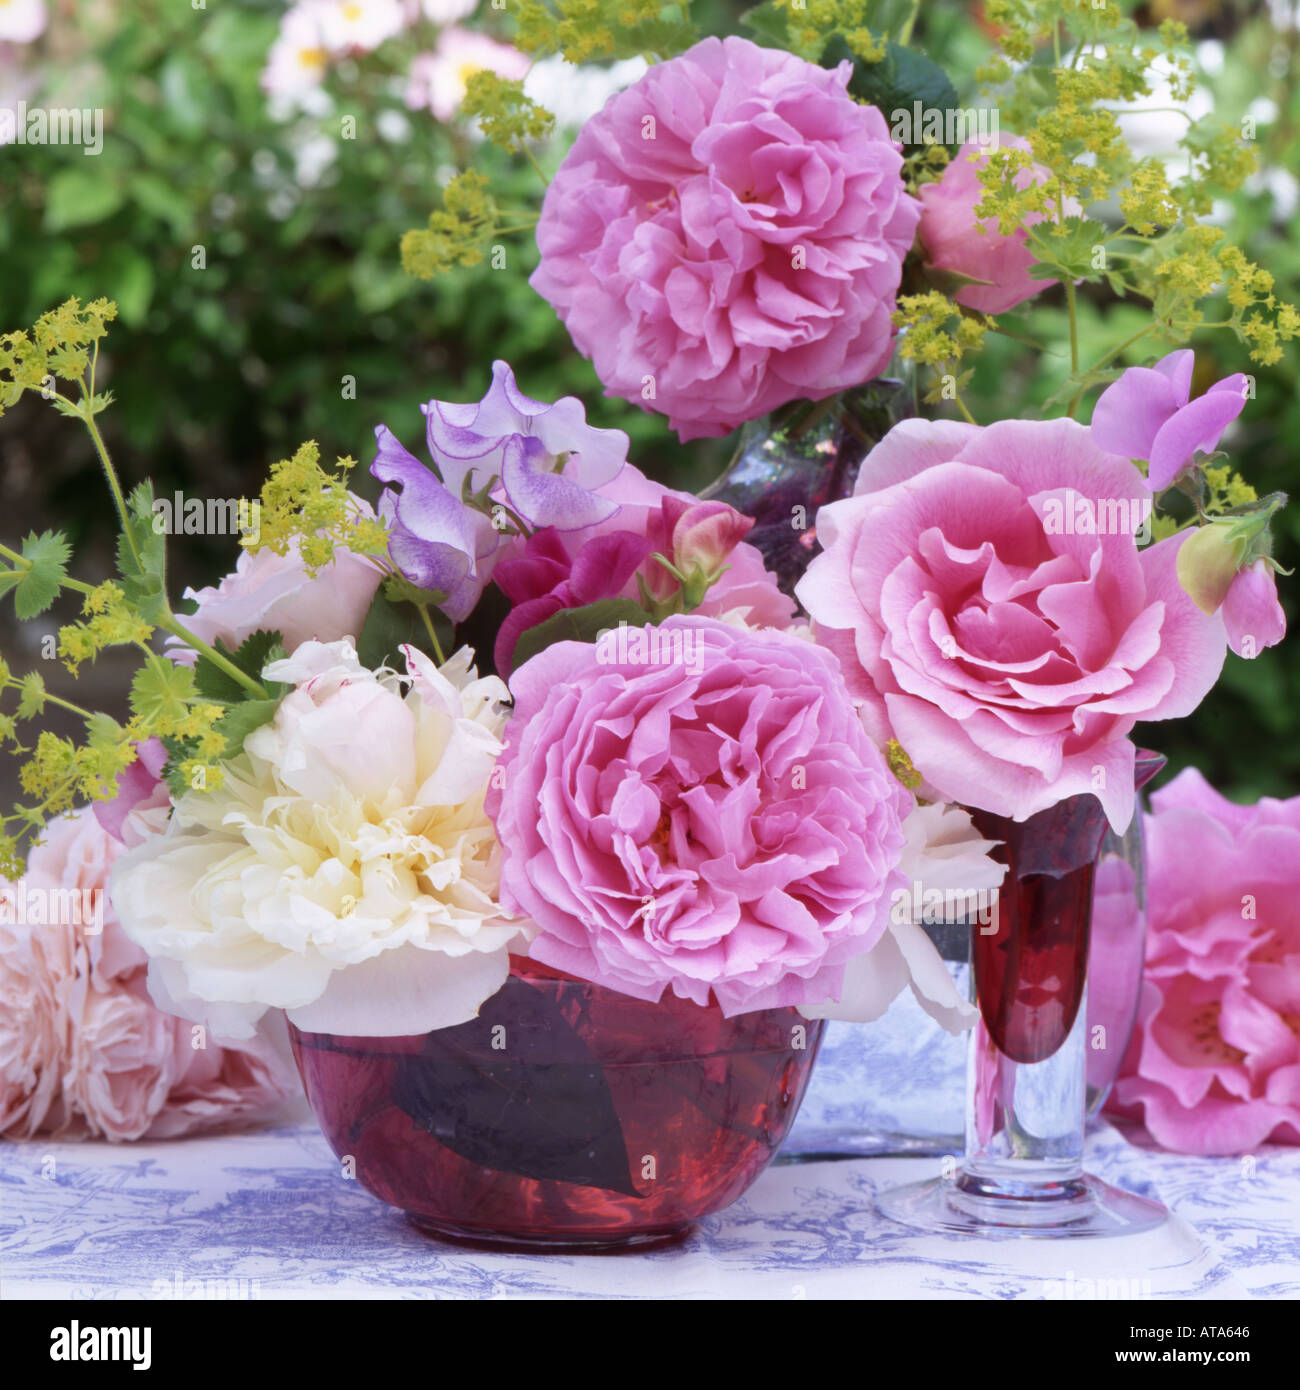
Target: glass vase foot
x,y
965,1204
831,1145
525,1243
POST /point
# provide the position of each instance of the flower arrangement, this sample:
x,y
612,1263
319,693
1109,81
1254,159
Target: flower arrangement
x,y
532,711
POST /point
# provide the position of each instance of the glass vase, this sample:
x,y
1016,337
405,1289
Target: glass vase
x,y
790,463
1117,945
1022,1172
566,1116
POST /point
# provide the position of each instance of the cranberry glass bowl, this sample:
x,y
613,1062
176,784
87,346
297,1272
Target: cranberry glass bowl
x,y
566,1115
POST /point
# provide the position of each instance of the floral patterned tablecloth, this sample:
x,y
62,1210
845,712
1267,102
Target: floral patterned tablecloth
x,y
268,1215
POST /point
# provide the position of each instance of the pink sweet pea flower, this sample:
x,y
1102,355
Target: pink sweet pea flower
x,y
1214,1064
697,538
1251,612
1147,414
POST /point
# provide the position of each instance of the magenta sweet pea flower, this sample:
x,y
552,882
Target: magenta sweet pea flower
x,y
544,579
1214,1065
139,788
1147,414
539,463
988,600
727,235
696,807
955,240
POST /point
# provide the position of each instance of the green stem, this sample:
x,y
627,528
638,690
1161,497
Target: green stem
x,y
429,628
531,158
23,563
171,624
1124,346
119,501
1074,341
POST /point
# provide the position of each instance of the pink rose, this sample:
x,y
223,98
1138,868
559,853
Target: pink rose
x,y
954,240
987,597
1148,414
1214,1064
275,593
33,1026
696,806
122,1059
83,1049
727,235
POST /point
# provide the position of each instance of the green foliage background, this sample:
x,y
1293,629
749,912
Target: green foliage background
x,y
220,371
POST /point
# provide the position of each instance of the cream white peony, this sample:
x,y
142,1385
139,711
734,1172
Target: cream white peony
x,y
346,871
943,854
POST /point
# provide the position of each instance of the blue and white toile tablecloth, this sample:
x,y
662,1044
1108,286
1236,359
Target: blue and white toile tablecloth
x,y
268,1214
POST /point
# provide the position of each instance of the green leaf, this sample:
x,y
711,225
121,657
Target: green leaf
x,y
388,627
1065,252
164,201
31,699
240,721
162,691
132,288
253,654
143,579
578,625
895,84
767,25
77,198
38,587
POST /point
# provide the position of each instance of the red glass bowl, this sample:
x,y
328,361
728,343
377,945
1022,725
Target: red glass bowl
x,y
566,1115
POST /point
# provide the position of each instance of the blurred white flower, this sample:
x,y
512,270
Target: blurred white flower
x,y
22,21
299,57
448,11
350,25
574,94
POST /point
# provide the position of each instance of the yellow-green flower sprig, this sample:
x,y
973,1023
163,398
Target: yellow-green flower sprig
x,y
303,502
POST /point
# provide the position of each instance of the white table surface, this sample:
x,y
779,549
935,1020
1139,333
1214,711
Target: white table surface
x,y
270,1210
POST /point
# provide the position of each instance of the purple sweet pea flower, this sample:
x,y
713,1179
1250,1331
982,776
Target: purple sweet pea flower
x,y
548,458
541,463
434,539
1147,414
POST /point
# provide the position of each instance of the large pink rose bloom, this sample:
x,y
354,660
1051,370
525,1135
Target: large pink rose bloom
x,y
705,814
955,240
727,235
84,1051
985,624
1214,1065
